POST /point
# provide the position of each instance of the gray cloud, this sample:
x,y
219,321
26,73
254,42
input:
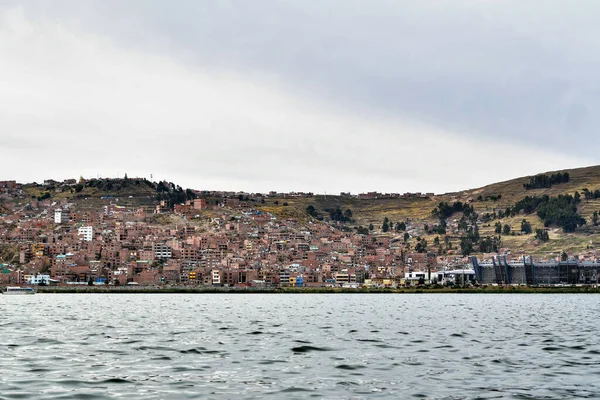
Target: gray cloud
x,y
385,89
517,71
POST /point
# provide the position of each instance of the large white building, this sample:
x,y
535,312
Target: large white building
x,y
37,279
61,216
86,232
161,251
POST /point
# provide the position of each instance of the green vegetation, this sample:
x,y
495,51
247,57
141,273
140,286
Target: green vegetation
x,y
526,227
546,181
386,225
498,227
312,211
493,197
172,194
444,210
361,230
591,195
338,215
421,246
542,234
559,211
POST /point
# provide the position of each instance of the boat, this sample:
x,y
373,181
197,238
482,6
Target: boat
x,y
17,290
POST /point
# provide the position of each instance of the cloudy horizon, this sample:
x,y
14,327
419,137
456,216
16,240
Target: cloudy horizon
x,y
283,95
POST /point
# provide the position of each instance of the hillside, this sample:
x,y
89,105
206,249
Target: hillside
x,y
418,212
415,212
94,193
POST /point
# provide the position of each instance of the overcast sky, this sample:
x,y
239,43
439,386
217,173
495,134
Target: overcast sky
x,y
322,96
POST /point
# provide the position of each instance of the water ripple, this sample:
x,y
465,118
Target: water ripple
x,y
224,346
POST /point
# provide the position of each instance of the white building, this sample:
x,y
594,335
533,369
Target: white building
x,y
161,251
61,216
37,279
86,233
216,277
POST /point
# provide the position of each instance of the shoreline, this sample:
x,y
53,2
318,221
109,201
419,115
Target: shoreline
x,y
324,290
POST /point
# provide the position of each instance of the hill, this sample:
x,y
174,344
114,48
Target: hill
x,y
416,213
465,221
89,194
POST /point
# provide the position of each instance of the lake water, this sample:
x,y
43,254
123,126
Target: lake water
x,y
332,346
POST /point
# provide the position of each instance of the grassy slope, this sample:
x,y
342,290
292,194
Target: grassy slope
x,y
419,211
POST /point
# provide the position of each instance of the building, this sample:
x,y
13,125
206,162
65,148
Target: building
x,y
216,277
200,204
526,271
161,251
61,216
86,233
37,279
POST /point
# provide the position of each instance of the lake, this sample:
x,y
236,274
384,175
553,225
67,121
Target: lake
x,y
330,346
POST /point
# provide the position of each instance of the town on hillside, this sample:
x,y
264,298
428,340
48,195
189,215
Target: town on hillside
x,y
135,232
212,239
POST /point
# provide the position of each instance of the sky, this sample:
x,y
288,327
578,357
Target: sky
x,y
290,95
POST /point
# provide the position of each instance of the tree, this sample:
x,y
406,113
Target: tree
x,y
161,187
546,181
564,256
474,232
498,227
400,226
406,237
489,244
466,245
447,243
90,282
421,246
595,218
190,194
506,229
362,230
462,224
348,215
542,234
386,225
525,227
371,227
311,210
436,240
